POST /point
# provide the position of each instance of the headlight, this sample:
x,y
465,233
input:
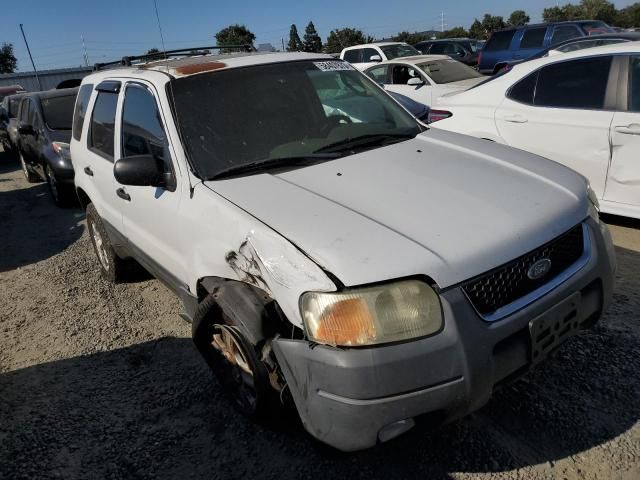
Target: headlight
x,y
373,315
594,205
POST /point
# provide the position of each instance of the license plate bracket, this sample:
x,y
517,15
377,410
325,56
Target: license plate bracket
x,y
554,326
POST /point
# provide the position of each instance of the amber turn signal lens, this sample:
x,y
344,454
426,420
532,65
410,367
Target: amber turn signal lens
x,y
347,322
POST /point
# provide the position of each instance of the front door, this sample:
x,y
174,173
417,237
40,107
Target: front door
x,y
623,182
400,74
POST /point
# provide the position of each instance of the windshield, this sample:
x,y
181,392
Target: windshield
x,y
448,70
400,50
241,116
58,112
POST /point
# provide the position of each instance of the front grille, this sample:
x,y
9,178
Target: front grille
x,y
509,282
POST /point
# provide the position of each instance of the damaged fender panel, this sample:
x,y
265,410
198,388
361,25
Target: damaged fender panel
x,y
266,260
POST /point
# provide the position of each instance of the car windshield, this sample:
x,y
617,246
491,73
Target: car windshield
x,y
238,117
58,112
13,106
448,70
397,51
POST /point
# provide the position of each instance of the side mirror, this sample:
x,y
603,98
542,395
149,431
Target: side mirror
x,y
375,58
143,171
26,129
415,82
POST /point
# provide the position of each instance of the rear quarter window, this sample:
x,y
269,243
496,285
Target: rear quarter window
x,y
500,41
533,38
80,111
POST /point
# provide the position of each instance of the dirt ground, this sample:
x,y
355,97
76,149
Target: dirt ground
x,y
102,382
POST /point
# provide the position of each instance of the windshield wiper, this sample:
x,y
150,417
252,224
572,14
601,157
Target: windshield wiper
x,y
365,141
273,163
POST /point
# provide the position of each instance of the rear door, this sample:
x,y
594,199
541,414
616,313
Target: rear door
x,y
561,112
623,183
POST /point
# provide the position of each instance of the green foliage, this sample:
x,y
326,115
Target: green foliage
x,y
456,32
629,17
312,42
585,10
476,30
8,61
295,44
410,38
483,30
518,18
234,35
343,38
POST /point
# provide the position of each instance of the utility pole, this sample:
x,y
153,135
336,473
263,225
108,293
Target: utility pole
x,y
31,58
282,44
84,50
442,21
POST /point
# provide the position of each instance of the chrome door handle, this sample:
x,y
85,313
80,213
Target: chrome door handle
x,y
633,129
123,194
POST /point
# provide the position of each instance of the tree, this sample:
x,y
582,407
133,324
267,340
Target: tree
x,y
153,54
312,42
518,18
456,32
629,16
295,44
234,35
343,38
562,14
8,61
476,30
410,38
599,10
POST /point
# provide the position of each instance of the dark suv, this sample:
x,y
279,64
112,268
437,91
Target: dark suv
x,y
8,121
44,131
514,44
464,50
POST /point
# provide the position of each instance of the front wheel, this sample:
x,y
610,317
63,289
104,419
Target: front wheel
x,y
60,193
111,266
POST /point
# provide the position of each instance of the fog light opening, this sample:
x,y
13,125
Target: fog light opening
x,y
395,429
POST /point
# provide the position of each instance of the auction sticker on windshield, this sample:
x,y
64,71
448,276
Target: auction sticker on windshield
x,y
333,65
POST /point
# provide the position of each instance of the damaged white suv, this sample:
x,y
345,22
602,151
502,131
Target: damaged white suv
x,y
328,247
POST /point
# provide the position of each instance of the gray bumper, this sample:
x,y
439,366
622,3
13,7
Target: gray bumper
x,y
345,397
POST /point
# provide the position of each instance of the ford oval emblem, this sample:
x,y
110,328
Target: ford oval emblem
x,y
539,269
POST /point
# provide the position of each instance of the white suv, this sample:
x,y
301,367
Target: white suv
x,y
372,270
368,54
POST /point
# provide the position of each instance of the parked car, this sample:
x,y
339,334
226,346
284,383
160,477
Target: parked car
x,y
9,122
464,50
329,259
581,109
44,130
424,78
417,109
364,56
513,44
10,90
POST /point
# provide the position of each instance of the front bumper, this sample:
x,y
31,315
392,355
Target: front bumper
x,y
346,397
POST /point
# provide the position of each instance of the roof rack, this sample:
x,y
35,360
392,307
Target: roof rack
x,y
127,61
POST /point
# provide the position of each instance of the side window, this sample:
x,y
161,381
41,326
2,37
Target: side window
x,y
438,49
533,38
634,84
352,56
500,41
378,74
574,84
564,32
523,90
367,53
400,74
23,115
34,116
142,131
101,134
84,94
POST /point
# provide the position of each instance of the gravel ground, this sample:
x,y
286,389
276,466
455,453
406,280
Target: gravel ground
x,y
102,381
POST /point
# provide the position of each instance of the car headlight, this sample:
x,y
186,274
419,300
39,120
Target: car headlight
x,y
594,205
372,315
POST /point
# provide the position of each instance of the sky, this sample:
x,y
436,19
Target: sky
x,y
55,29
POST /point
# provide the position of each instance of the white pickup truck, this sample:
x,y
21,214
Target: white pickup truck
x,y
372,271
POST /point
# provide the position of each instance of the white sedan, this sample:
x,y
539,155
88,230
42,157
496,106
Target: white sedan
x,y
581,109
424,78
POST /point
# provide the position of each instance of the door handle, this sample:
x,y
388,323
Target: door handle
x,y
515,118
124,195
633,129
88,171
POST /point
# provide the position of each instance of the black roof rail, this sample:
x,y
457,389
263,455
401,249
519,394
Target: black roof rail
x,y
127,61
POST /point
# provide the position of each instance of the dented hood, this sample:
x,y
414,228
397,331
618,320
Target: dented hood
x,y
443,205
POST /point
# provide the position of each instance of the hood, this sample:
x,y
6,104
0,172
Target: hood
x,y
443,205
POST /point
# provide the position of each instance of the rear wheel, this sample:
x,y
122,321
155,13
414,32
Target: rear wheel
x,y
60,193
28,174
111,266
